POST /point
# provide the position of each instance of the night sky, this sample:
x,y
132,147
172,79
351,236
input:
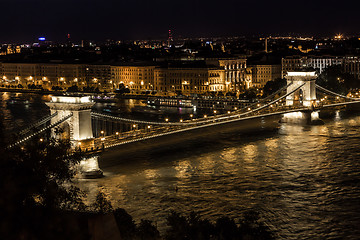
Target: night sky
x,y
26,20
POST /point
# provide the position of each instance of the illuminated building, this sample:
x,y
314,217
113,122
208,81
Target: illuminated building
x,y
319,63
237,76
351,64
136,78
261,74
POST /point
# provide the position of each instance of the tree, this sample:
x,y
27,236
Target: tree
x,y
34,181
336,80
73,88
249,94
193,227
125,223
272,86
147,231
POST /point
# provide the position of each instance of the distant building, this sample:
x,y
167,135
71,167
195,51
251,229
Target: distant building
x,y
261,74
351,64
237,75
190,77
136,78
290,64
319,63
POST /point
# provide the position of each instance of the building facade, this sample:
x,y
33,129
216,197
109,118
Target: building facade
x,y
261,74
319,63
226,75
351,64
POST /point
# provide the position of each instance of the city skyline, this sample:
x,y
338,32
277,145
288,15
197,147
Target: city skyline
x,y
25,21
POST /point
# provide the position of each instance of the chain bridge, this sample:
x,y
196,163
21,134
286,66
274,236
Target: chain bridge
x,y
72,116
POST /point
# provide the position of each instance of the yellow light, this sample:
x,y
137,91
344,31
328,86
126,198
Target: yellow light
x,y
102,132
41,139
205,116
235,108
214,111
191,115
102,139
79,143
142,83
117,133
134,126
75,79
229,112
181,120
166,119
148,127
249,109
17,78
61,79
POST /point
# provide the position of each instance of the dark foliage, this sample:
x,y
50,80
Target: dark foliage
x,y
122,89
193,227
147,231
249,94
272,86
334,79
125,223
34,187
73,88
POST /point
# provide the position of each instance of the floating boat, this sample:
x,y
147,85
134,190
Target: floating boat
x,y
145,109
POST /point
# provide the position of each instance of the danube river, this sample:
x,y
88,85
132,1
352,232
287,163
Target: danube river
x,y
303,180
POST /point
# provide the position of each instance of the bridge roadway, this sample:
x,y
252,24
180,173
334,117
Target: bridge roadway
x,y
153,131
159,131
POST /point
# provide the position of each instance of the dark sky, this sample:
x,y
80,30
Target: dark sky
x,y
25,20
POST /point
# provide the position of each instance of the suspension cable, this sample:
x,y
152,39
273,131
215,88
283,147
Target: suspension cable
x,y
41,130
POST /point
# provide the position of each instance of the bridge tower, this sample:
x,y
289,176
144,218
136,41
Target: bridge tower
x,y
307,93
78,126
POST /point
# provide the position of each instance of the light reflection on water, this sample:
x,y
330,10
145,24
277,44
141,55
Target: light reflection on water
x,y
304,180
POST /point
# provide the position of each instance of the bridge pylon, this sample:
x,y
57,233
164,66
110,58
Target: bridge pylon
x,y
306,95
78,126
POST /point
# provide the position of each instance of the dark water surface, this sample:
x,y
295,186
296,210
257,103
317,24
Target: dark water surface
x,y
304,180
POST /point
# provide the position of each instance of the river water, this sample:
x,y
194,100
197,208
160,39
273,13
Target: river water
x,y
303,180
